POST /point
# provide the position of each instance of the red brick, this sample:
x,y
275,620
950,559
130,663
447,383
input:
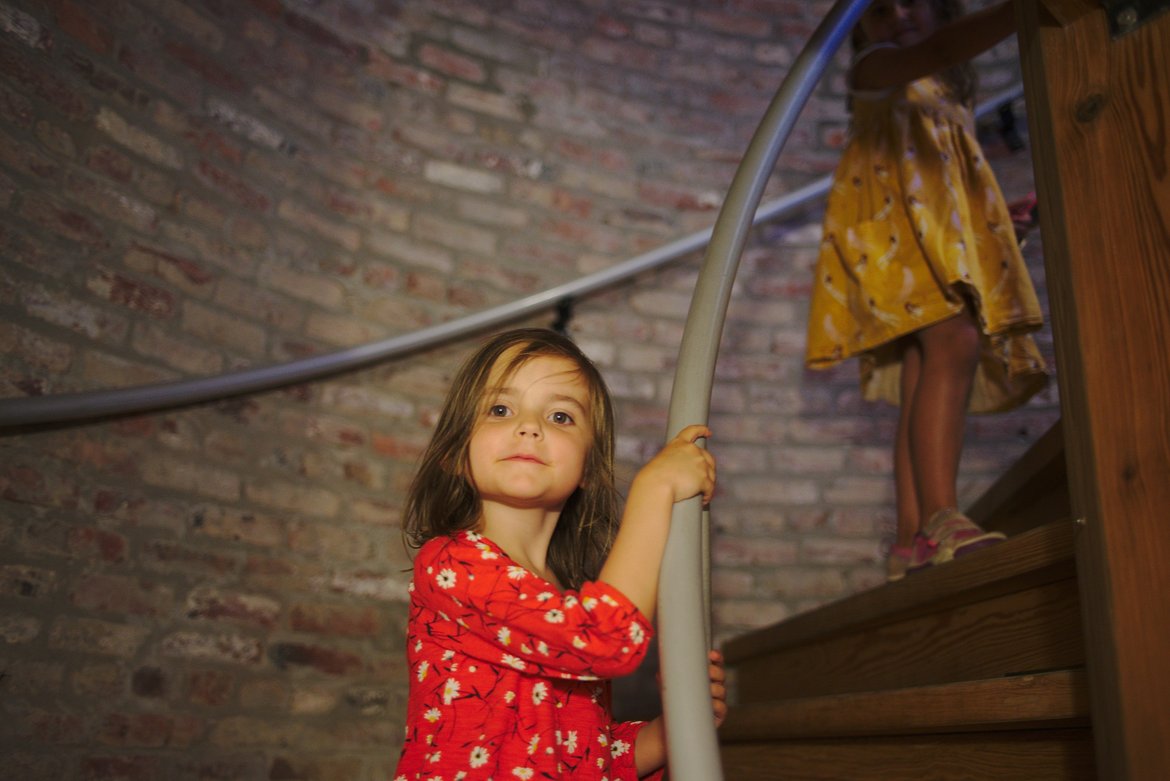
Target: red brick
x,y
192,275
138,730
23,484
91,542
234,187
397,447
132,294
60,728
63,221
15,108
326,660
320,36
20,763
122,595
105,81
116,768
27,158
43,83
404,75
217,605
172,556
207,68
452,64
111,163
75,20
226,648
344,620
212,688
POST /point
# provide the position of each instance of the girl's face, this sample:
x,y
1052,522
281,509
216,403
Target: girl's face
x,y
903,22
532,434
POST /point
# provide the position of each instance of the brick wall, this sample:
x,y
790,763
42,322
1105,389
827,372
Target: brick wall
x,y
190,188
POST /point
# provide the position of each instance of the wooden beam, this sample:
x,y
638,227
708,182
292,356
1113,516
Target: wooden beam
x,y
1099,111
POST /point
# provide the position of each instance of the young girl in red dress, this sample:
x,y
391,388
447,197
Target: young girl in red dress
x,y
528,592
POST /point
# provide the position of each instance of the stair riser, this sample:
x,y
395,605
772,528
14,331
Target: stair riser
x,y
1033,630
1045,755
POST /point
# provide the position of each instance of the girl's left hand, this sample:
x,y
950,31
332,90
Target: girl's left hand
x,y
718,686
718,678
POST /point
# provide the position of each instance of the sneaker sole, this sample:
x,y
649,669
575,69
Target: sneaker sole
x,y
948,553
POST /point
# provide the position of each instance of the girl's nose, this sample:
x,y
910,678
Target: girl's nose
x,y
529,425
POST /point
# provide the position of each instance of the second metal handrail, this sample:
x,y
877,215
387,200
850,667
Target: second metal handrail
x,y
71,407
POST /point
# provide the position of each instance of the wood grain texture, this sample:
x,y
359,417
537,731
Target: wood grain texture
x,y
1044,755
1102,110
1034,558
1054,699
1026,631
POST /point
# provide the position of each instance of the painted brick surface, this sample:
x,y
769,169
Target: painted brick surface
x,y
189,188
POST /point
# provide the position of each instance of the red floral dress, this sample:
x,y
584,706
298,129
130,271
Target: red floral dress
x,y
508,672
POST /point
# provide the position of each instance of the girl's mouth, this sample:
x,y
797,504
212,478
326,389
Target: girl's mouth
x,y
523,457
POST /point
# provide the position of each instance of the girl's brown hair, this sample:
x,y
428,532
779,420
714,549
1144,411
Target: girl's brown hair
x,y
442,500
960,80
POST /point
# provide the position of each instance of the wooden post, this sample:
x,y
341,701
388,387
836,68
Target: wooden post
x,y
1099,113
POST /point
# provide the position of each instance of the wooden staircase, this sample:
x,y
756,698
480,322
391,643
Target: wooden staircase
x,y
989,667
971,670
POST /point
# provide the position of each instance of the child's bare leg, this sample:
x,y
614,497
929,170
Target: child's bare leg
x,y
905,491
950,353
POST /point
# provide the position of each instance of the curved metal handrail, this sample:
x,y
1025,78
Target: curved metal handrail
x,y
68,407
683,602
65,407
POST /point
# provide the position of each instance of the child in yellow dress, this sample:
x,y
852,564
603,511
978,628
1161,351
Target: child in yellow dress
x,y
919,273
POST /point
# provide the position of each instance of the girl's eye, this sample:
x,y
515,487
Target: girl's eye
x,y
563,418
497,411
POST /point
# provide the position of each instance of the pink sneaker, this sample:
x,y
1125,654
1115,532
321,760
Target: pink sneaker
x,y
954,534
905,559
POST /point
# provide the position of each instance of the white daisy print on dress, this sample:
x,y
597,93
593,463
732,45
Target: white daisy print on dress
x,y
450,691
637,633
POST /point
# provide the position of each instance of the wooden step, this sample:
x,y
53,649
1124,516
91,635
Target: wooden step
x,y
1029,494
1049,700
1012,609
1021,727
1021,755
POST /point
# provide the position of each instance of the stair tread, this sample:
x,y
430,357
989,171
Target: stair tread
x,y
1057,698
1041,555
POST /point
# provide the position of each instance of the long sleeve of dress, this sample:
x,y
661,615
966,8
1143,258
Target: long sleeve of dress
x,y
503,614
